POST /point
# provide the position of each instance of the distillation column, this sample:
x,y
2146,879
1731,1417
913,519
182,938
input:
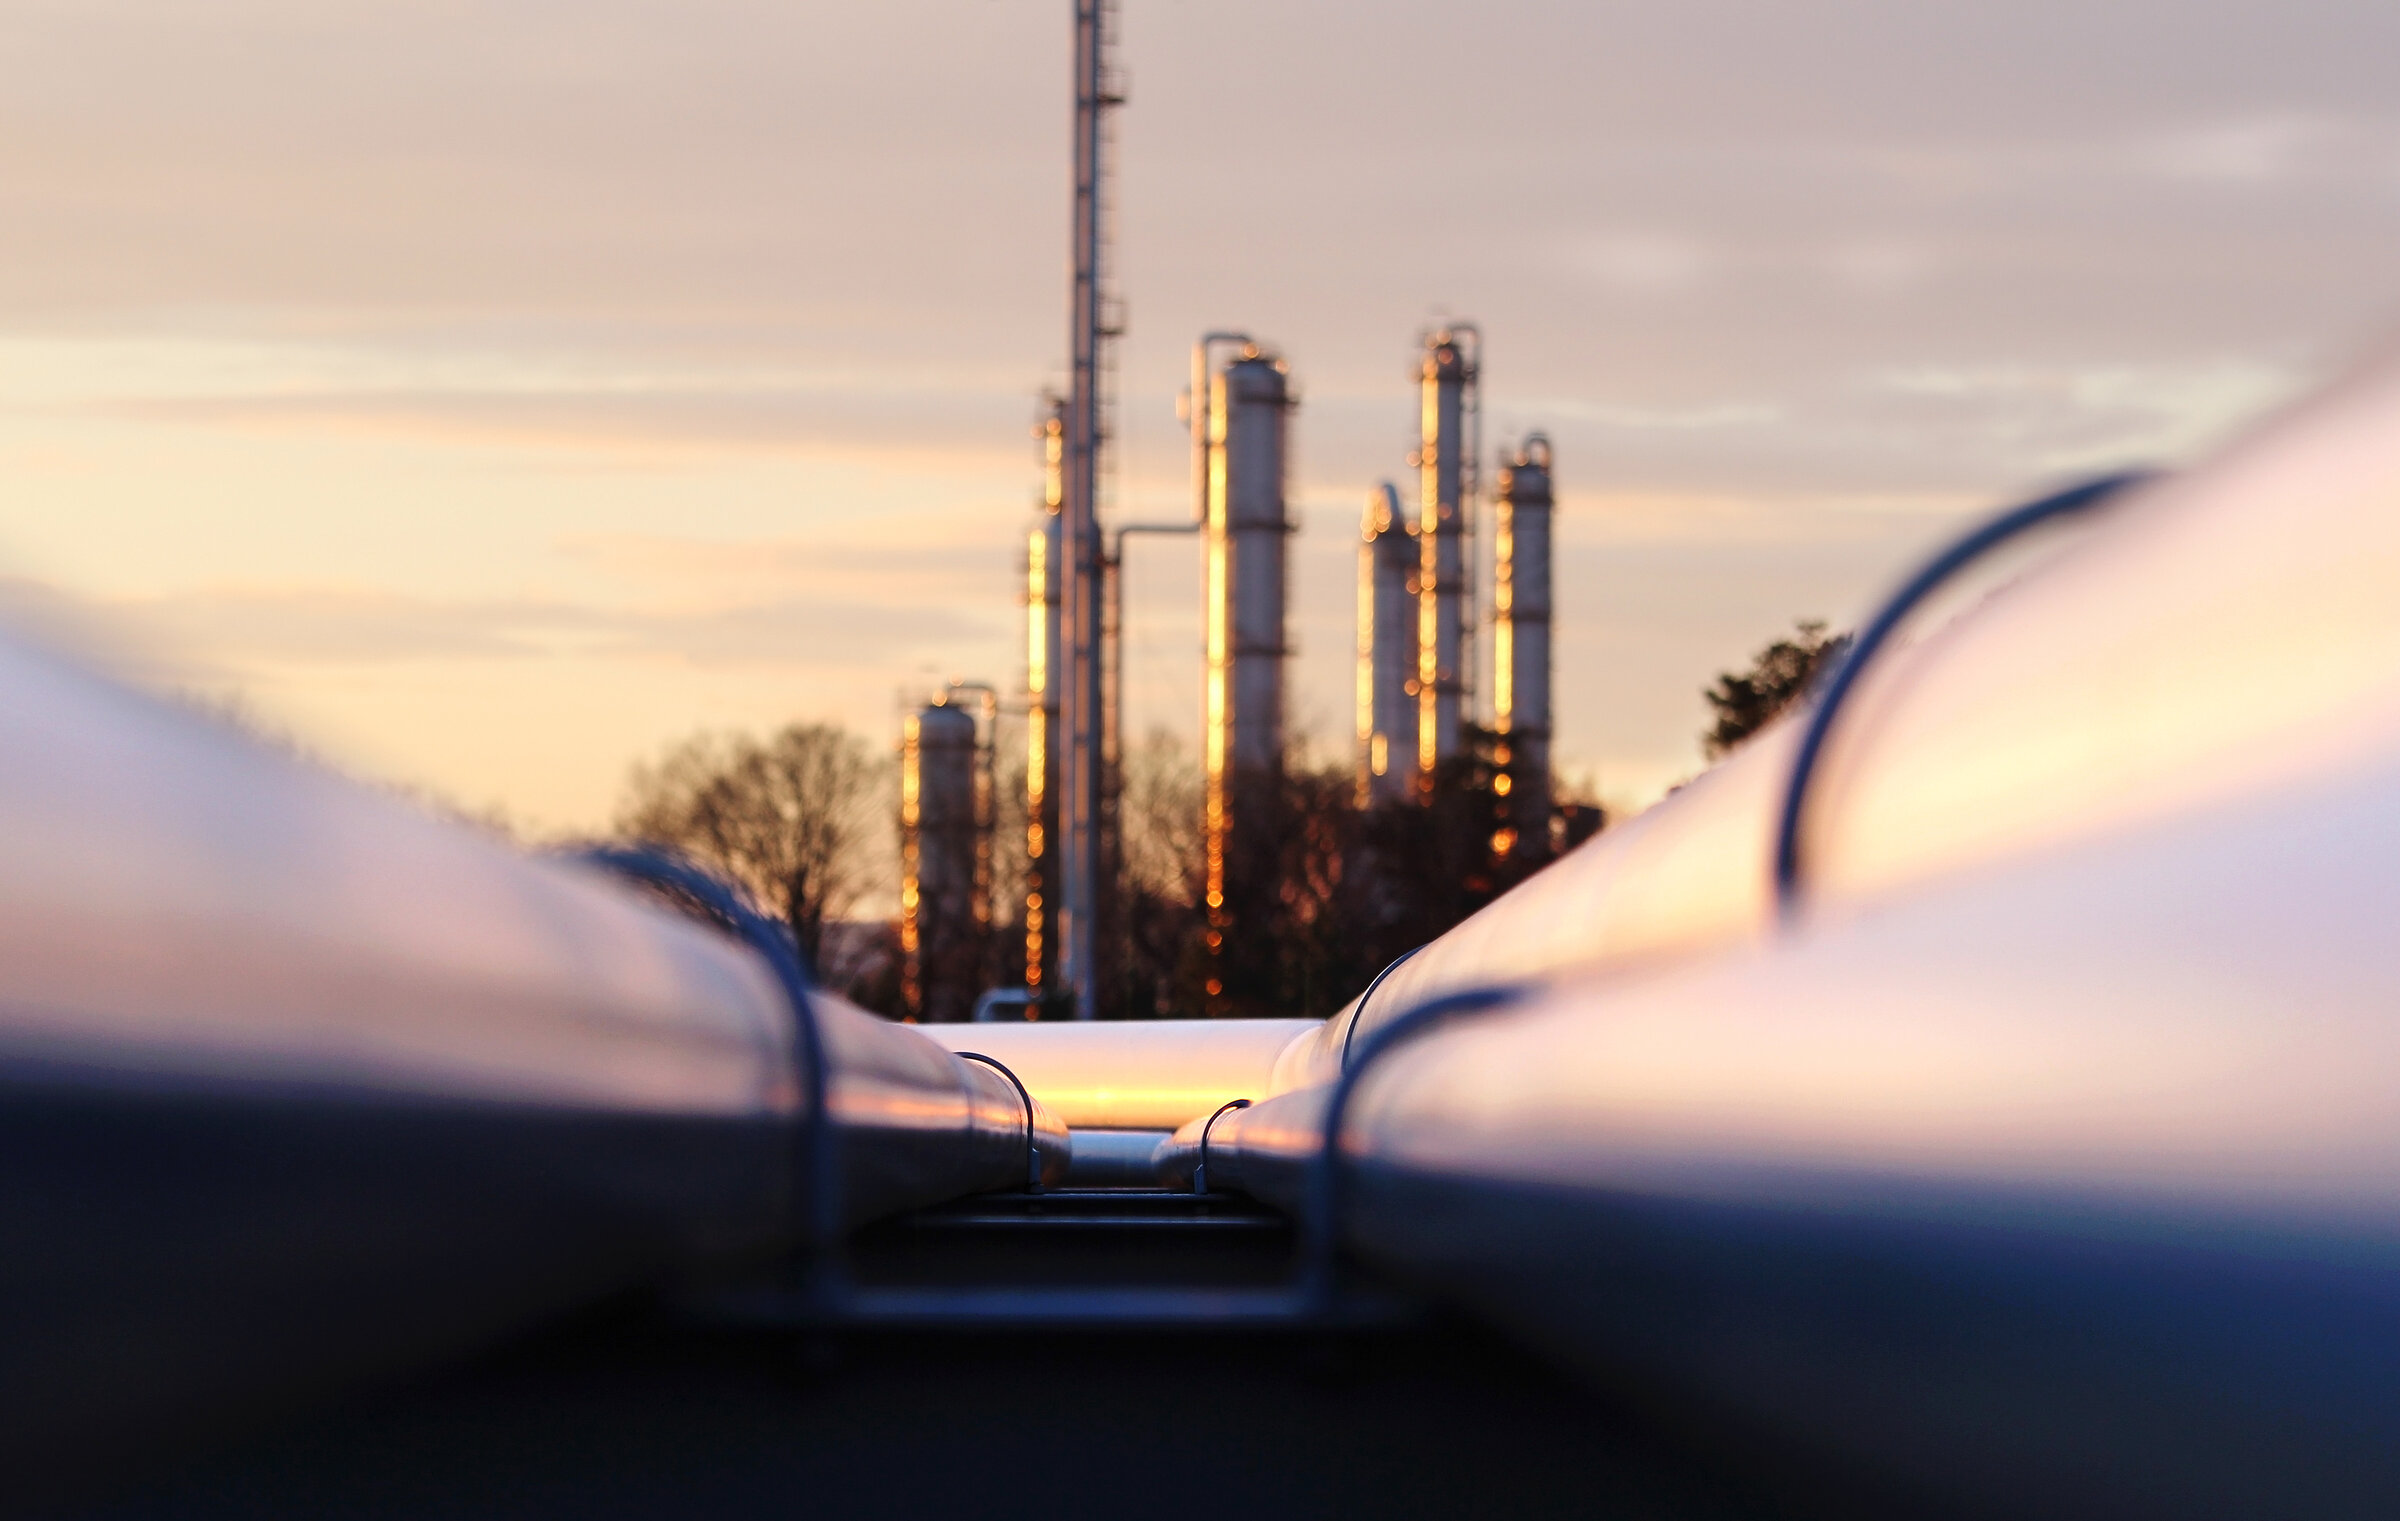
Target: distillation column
x,y
1045,558
1083,791
942,870
1387,651
1444,463
1250,407
1521,642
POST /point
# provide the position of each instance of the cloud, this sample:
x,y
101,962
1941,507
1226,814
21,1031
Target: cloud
x,y
2274,149
1645,262
210,633
566,392
947,433
2065,418
1706,418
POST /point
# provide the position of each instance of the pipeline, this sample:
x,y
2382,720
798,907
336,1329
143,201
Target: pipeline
x,y
1123,1086
300,1088
2043,1154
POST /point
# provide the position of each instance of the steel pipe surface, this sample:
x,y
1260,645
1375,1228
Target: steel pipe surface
x,y
2070,1187
2050,1163
1114,1158
300,1087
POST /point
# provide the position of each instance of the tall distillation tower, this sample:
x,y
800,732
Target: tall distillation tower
x,y
1387,651
1083,793
1045,670
1521,642
1249,410
1446,455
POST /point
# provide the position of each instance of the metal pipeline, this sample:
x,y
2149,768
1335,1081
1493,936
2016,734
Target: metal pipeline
x,y
299,1086
2067,1187
2048,1160
917,1124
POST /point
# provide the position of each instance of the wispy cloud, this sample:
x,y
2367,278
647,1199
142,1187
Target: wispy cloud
x,y
1708,417
2273,149
2065,418
555,396
954,433
209,632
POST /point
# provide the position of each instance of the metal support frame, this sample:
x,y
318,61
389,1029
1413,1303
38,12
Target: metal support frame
x,y
1962,552
1200,1169
1033,1148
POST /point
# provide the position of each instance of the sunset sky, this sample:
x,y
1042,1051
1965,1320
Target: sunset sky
x,y
490,394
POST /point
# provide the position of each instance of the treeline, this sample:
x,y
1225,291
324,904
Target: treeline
x,y
806,819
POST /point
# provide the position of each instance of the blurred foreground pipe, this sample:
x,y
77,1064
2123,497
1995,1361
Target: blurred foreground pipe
x,y
2049,1162
299,1087
2072,1187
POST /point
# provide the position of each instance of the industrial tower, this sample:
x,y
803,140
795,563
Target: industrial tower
x,y
1248,411
1045,672
1082,683
1446,456
1387,651
1416,609
1521,642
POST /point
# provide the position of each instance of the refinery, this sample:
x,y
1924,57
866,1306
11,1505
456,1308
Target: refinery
x,y
1428,627
1977,1094
1453,621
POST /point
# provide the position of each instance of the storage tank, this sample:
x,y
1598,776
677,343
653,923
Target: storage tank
x,y
1243,697
1521,642
942,910
1387,651
1446,391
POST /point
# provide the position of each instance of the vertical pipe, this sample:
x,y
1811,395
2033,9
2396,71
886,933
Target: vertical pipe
x,y
1387,650
1081,690
1521,641
912,894
1445,376
1243,703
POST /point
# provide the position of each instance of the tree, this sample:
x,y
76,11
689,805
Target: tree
x,y
1159,924
1746,701
789,817
1346,890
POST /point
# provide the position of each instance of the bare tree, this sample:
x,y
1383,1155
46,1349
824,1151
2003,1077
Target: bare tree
x,y
1159,809
1158,921
789,817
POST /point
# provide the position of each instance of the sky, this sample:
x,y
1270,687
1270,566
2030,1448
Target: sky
x,y
488,395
